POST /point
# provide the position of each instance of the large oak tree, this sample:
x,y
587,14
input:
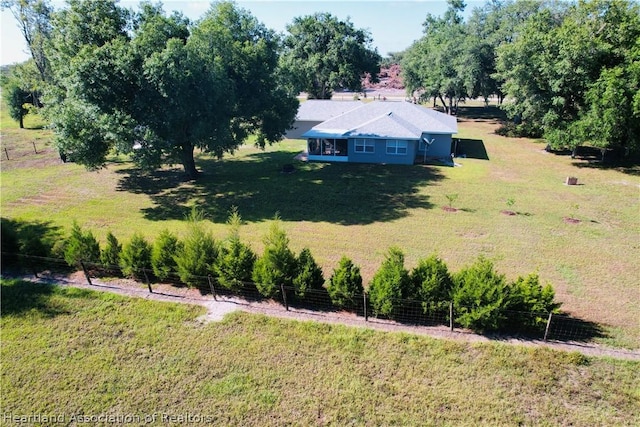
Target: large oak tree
x,y
157,86
326,54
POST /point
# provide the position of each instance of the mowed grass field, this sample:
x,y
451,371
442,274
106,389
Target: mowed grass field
x,y
70,353
361,210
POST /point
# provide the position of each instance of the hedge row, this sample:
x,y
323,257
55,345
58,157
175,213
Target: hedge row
x,y
482,298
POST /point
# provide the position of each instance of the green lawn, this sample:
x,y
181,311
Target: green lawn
x,y
70,352
361,210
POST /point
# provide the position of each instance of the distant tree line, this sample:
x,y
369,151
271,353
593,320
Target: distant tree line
x,y
567,71
482,298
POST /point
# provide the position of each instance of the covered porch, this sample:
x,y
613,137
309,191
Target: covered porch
x,y
328,149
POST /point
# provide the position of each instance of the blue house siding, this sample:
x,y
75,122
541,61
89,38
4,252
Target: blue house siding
x,y
380,155
439,149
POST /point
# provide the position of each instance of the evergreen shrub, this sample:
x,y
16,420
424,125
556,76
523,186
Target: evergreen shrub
x,y
345,284
135,257
390,284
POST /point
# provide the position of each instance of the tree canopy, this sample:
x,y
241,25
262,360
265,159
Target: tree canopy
x,y
569,69
326,54
158,86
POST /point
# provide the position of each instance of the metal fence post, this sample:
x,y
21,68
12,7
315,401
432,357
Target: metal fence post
x,y
213,290
546,330
451,316
86,273
284,297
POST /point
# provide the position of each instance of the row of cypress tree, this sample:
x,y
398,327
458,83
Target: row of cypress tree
x,y
482,298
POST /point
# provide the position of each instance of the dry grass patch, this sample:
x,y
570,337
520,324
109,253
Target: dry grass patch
x,y
71,351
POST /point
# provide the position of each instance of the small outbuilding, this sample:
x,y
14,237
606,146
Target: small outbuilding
x,y
382,132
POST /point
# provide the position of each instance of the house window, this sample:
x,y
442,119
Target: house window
x,y
364,146
396,147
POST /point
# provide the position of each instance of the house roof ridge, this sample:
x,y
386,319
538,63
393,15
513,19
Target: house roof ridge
x,y
375,119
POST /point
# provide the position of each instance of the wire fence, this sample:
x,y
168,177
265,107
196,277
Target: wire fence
x,y
542,326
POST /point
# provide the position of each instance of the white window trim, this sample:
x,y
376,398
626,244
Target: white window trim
x,y
360,146
396,145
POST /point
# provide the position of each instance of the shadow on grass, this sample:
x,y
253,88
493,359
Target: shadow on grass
x,y
481,113
31,238
320,192
629,167
471,148
591,158
21,297
565,328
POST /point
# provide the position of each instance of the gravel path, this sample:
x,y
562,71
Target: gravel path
x,y
217,309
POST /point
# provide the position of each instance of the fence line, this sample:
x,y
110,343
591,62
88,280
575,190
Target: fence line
x,y
557,326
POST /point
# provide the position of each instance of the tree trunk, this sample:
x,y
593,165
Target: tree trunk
x,y
444,104
188,162
21,121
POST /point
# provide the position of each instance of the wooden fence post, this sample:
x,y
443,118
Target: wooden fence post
x,y
6,153
366,315
213,290
86,273
546,330
451,316
35,150
284,297
146,278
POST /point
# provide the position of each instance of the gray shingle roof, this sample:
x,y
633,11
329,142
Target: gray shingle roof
x,y
320,110
386,119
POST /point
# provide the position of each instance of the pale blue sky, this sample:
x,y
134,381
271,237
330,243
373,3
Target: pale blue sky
x,y
394,25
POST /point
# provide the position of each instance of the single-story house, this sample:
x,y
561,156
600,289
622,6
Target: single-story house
x,y
383,132
315,111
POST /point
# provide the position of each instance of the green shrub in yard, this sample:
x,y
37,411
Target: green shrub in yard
x,y
136,257
163,253
81,246
110,254
309,275
390,284
196,256
529,303
345,284
480,297
234,264
432,283
277,265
